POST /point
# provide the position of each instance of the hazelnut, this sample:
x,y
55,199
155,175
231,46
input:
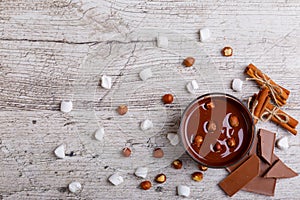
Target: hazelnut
x,y
210,105
211,126
231,142
146,185
202,167
158,153
227,51
217,147
122,109
198,140
177,164
126,152
160,178
234,121
197,176
189,61
167,98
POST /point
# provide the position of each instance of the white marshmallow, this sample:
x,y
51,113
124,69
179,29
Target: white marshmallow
x,y
192,86
99,134
204,34
141,172
60,151
173,138
66,106
74,187
162,42
116,179
146,125
146,74
183,190
237,85
106,82
283,143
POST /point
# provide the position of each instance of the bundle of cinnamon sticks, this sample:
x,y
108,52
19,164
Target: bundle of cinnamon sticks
x,y
261,106
278,93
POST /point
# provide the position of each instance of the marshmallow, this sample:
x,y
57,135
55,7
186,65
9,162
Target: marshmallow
x,y
283,143
192,86
146,74
183,190
162,42
237,85
141,172
204,34
66,106
99,134
60,151
106,82
173,138
146,125
74,187
116,179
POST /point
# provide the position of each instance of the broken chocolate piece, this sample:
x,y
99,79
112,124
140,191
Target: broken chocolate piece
x,y
266,145
260,184
280,170
241,176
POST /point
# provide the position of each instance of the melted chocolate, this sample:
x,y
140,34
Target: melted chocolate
x,y
195,120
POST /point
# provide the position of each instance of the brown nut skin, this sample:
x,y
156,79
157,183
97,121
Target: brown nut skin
x,y
217,147
122,109
126,152
210,105
158,153
197,176
161,178
167,98
177,164
198,140
227,51
146,185
211,126
234,121
231,142
189,61
202,167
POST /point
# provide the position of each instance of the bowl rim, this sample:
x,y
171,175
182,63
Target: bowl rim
x,y
225,95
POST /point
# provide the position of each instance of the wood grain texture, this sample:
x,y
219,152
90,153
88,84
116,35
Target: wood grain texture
x,y
43,45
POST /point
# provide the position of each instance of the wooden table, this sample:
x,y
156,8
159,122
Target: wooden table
x,y
44,46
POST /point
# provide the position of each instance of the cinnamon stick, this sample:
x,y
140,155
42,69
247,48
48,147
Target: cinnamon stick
x,y
289,126
261,99
281,94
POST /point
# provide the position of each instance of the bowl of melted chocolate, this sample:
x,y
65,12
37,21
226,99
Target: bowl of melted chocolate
x,y
217,130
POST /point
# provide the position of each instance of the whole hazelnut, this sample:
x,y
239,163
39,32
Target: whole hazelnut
x,y
198,140
227,51
160,178
211,126
197,176
167,98
234,121
145,185
231,142
177,164
210,105
122,109
189,61
217,147
158,153
126,152
202,167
